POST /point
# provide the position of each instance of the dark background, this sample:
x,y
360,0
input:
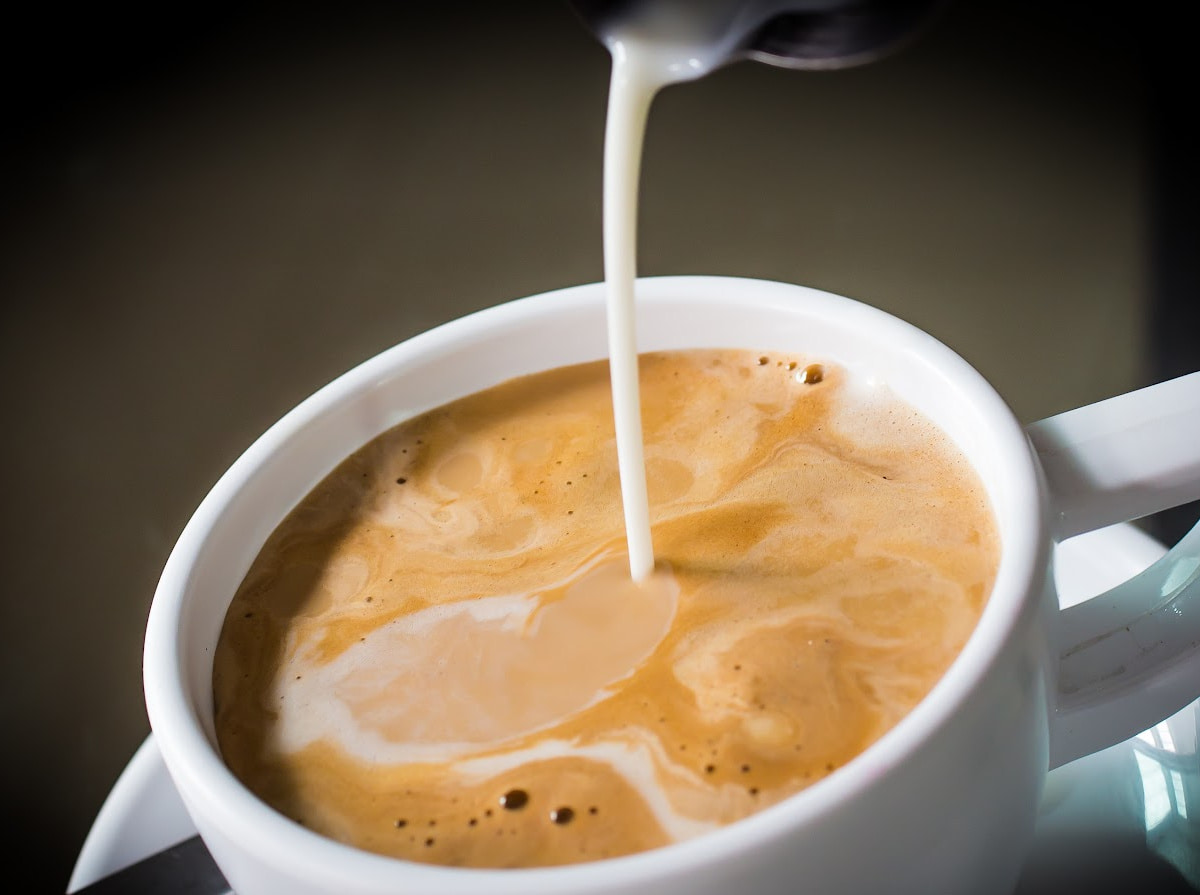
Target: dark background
x,y
210,211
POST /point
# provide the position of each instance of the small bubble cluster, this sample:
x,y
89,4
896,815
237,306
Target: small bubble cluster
x,y
808,375
512,800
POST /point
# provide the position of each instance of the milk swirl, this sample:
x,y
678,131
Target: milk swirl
x,y
439,654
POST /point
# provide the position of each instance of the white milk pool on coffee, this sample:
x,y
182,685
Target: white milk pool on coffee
x,y
656,44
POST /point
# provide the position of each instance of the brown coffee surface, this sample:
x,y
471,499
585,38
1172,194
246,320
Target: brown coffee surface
x,y
439,655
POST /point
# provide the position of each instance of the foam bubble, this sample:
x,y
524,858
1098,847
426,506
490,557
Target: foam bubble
x,y
638,758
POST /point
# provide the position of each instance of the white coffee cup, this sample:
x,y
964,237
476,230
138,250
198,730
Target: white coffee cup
x,y
946,801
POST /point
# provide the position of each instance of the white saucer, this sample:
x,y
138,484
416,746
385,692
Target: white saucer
x,y
1125,817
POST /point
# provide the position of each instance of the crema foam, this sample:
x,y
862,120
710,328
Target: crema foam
x,y
440,654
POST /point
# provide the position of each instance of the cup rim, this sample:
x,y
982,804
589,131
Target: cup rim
x,y
209,788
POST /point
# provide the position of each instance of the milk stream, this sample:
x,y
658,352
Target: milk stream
x,y
628,105
658,43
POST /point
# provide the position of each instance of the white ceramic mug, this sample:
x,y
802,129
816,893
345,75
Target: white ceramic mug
x,y
945,802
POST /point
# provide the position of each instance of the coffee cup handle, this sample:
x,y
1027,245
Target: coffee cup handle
x,y
1130,657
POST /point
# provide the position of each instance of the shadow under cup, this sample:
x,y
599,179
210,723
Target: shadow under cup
x,y
945,801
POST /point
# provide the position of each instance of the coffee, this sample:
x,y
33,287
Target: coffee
x,y
439,654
